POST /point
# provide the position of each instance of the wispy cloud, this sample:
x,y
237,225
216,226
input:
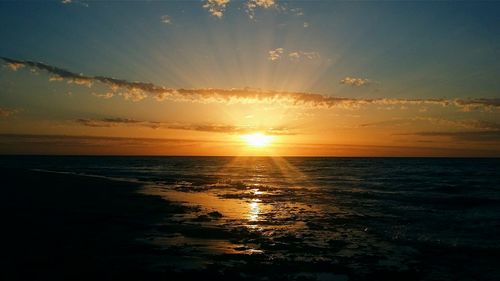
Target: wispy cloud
x,y
14,66
474,104
285,8
6,112
404,122
468,124
475,136
71,144
134,94
477,130
166,19
137,91
252,5
67,2
216,7
104,96
481,124
83,140
296,11
205,127
275,54
355,82
107,122
297,55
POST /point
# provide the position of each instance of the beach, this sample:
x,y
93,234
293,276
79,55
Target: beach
x,y
68,227
119,218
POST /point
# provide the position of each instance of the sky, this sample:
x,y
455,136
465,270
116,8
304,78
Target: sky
x,y
317,78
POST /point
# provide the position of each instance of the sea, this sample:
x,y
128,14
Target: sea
x,y
421,218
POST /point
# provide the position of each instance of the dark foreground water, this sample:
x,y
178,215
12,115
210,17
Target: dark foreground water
x,y
316,218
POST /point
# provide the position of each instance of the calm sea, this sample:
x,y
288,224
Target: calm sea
x,y
439,214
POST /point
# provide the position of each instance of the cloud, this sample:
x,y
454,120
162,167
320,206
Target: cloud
x,y
301,54
106,122
469,124
252,5
262,3
134,94
297,11
480,124
479,136
275,54
104,96
78,140
479,130
92,145
67,2
206,127
5,112
166,19
284,7
389,123
474,104
76,80
216,7
355,82
14,66
57,78
294,55
57,74
136,91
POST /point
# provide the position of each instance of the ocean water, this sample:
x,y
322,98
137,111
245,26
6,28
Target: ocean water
x,y
424,218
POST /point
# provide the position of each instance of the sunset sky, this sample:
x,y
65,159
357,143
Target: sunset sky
x,y
315,78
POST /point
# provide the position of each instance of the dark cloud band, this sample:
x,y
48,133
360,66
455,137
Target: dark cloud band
x,y
137,91
214,128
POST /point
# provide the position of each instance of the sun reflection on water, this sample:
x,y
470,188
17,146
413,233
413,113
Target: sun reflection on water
x,y
248,192
254,210
255,194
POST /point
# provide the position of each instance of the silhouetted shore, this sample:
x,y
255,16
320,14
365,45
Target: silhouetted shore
x,y
68,227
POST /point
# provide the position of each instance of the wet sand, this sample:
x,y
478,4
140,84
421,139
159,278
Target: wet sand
x,y
69,227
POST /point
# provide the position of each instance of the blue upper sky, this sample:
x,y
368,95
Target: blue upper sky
x,y
415,49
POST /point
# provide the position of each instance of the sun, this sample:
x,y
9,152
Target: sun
x,y
257,139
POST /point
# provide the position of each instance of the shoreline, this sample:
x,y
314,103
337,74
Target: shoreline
x,y
71,226
75,227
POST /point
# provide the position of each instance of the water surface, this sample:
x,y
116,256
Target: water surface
x,y
430,218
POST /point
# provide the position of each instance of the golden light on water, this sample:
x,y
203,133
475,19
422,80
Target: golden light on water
x,y
254,210
257,139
